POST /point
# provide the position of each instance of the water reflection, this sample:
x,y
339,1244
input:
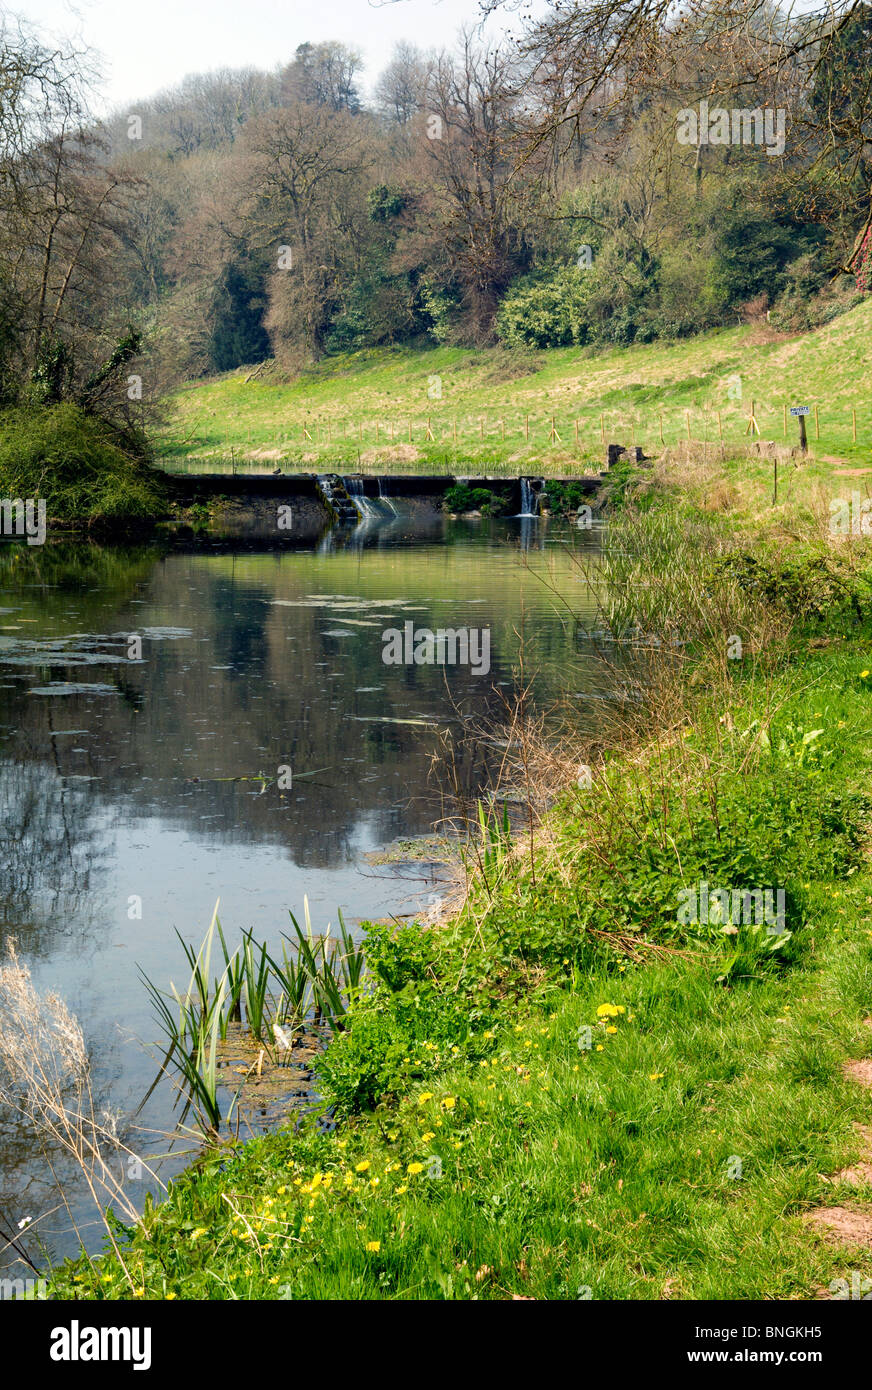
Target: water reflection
x,y
137,786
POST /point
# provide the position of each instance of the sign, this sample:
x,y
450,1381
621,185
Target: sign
x,y
800,410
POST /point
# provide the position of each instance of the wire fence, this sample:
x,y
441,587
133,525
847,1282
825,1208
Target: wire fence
x,y
503,440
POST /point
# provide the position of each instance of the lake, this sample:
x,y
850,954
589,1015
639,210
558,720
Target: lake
x,y
150,696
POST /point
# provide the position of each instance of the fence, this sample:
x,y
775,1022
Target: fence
x,y
574,439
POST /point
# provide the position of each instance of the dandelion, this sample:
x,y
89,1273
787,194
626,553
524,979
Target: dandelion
x,y
599,1047
402,1189
609,1010
611,1028
362,1166
425,1138
373,1246
656,1075
415,1168
424,1097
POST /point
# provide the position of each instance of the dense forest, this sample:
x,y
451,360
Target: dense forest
x,y
537,193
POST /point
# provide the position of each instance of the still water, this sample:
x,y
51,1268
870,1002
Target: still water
x,y
130,789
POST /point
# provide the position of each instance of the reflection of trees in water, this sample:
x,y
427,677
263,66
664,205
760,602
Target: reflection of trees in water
x,y
292,695
100,577
50,848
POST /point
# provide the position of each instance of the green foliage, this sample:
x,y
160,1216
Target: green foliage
x,y
84,467
238,337
809,587
546,310
752,251
564,497
463,498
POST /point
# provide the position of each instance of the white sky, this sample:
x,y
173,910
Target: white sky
x,y
146,45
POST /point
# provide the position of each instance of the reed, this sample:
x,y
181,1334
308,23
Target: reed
x,y
315,982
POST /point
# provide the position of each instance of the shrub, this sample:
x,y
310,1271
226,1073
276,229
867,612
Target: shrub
x,y
83,466
546,311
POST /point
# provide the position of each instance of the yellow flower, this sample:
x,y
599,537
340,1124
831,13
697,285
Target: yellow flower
x,y
599,1047
374,1182
401,1190
863,675
609,1010
424,1097
611,1028
171,1295
656,1075
415,1168
362,1166
373,1246
425,1138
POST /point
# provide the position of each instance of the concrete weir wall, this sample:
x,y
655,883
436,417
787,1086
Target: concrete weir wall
x,y
297,508
249,506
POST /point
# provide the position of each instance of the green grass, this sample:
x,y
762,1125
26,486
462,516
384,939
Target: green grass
x,y
613,1171
261,424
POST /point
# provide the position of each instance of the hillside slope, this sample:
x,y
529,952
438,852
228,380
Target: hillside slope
x,y
493,409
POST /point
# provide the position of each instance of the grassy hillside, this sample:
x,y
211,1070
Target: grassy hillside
x,y
359,410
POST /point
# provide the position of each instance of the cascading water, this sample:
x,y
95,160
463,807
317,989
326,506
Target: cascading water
x,y
385,499
531,489
365,508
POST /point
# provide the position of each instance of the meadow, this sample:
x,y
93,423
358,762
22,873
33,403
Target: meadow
x,y
508,412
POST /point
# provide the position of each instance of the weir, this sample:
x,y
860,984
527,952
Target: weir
x,y
297,508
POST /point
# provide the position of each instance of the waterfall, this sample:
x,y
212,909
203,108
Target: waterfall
x,y
530,496
383,497
365,508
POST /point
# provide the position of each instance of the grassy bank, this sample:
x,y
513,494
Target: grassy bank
x,y
569,1089
371,409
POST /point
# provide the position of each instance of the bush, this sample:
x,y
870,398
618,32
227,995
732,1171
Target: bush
x,y
84,467
546,311
463,498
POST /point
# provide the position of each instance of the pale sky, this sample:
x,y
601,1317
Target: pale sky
x,y
146,45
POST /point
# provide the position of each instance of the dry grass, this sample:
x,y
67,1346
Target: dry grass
x,y
45,1078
